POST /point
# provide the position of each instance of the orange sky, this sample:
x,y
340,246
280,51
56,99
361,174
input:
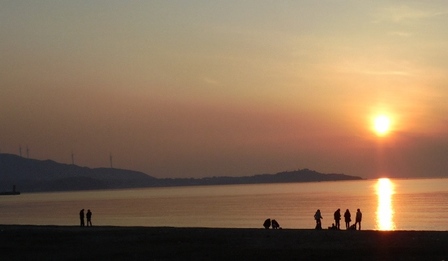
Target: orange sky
x,y
177,89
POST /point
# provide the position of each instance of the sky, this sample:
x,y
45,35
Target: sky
x,y
227,88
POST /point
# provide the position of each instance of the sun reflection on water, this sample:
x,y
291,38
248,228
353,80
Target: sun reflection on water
x,y
385,210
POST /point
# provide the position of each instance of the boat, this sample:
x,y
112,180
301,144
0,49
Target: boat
x,y
13,192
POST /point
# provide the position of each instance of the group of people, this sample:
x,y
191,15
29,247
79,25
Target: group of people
x,y
337,218
88,216
268,223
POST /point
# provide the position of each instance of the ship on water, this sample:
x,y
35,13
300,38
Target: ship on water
x,y
13,192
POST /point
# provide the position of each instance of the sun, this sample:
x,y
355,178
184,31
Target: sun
x,y
381,125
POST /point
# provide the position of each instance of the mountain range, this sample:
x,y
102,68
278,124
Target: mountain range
x,y
31,175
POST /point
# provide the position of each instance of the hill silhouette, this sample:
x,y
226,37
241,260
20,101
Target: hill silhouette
x,y
31,175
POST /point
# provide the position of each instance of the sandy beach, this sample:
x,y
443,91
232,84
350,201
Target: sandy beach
x,y
168,243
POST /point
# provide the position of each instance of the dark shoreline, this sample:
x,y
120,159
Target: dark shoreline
x,y
22,242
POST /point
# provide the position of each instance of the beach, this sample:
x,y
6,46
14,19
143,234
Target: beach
x,y
171,243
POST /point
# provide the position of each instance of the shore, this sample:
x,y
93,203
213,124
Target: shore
x,y
168,243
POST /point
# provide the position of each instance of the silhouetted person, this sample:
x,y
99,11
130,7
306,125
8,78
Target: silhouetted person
x,y
275,224
81,217
337,218
89,218
358,218
318,217
348,218
267,223
333,227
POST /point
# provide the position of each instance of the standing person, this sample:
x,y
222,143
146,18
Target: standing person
x,y
81,217
89,217
348,218
358,218
337,218
318,217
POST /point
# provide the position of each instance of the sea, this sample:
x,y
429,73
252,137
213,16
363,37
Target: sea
x,y
386,204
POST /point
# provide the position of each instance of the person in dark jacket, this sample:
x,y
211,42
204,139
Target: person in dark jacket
x,y
89,218
81,217
337,218
267,223
347,218
275,224
318,217
358,218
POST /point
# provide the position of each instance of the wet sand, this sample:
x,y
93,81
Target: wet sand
x,y
167,243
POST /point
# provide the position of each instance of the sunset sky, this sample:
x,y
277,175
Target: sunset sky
x,y
227,88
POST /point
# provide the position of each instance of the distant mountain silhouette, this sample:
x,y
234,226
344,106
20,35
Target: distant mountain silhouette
x,y
30,175
303,175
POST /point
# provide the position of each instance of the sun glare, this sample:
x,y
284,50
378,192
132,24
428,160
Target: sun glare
x,y
385,210
381,125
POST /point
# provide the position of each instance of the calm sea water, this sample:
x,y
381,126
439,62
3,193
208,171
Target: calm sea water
x,y
414,204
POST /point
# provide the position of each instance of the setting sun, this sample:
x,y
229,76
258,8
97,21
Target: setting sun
x,y
381,125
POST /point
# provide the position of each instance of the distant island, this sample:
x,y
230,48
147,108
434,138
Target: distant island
x,y
31,175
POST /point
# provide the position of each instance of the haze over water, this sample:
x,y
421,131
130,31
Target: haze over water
x,y
414,204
